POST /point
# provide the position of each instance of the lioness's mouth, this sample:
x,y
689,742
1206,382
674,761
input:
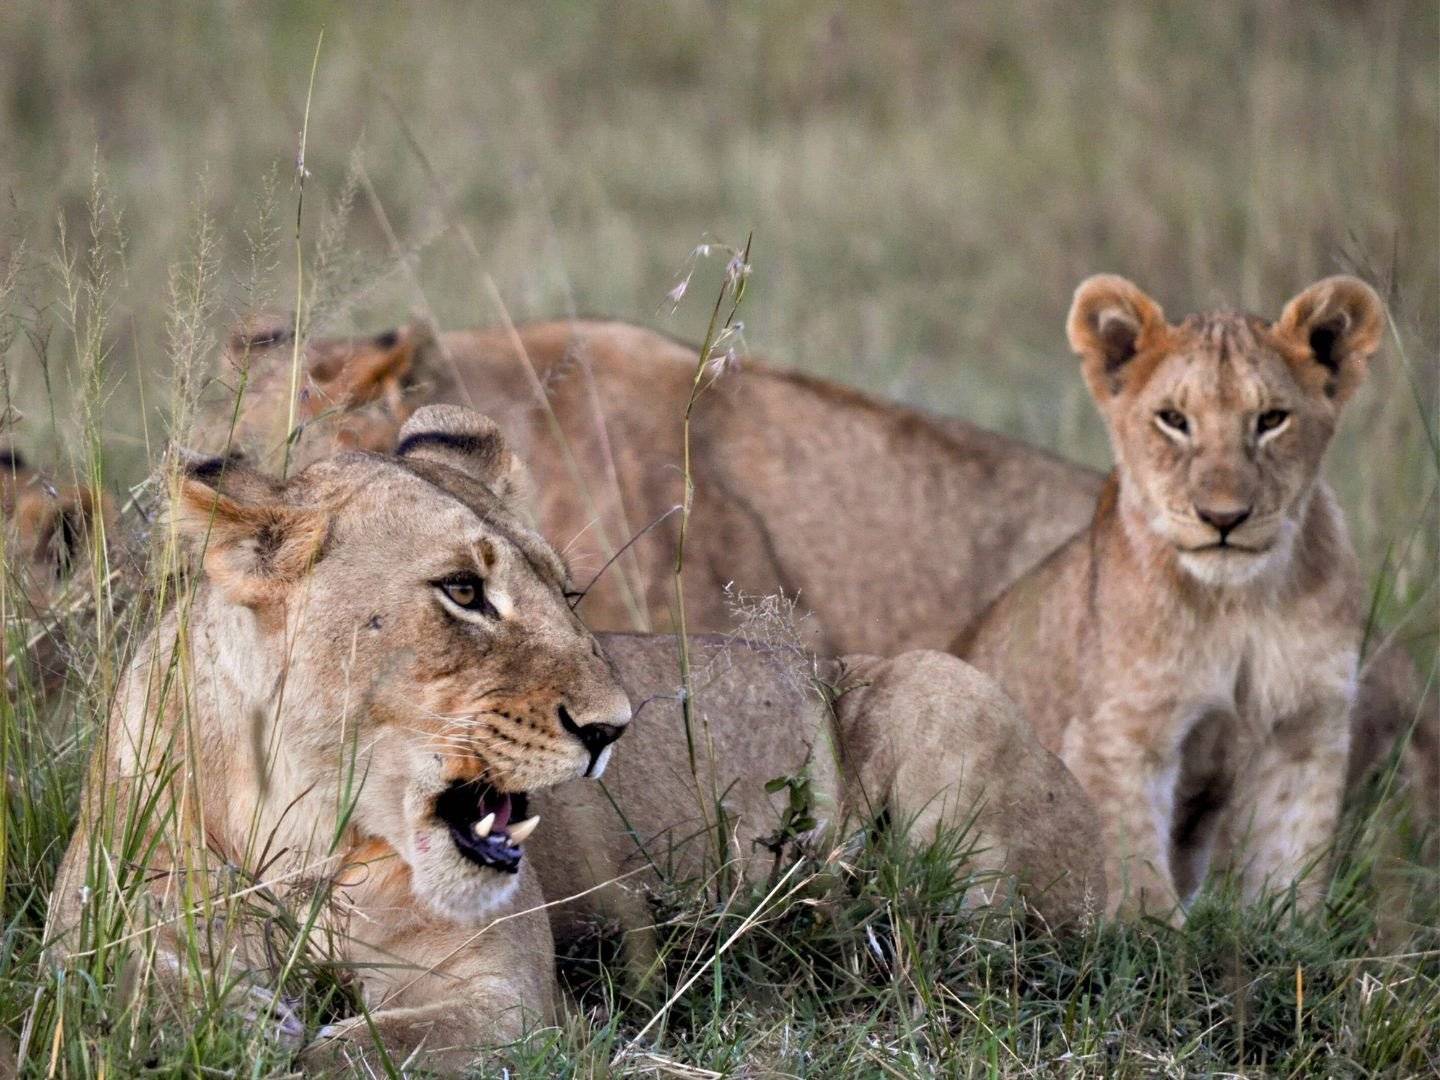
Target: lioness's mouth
x,y
487,825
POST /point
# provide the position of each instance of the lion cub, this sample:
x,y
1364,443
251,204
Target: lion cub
x,y
1192,654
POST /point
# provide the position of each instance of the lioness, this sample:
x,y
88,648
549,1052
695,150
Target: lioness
x,y
380,677
1192,654
799,483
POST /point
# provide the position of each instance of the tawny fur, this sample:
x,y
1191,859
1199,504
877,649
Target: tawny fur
x,y
316,655
49,530
800,484
1202,694
922,739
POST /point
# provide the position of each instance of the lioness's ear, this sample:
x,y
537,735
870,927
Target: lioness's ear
x,y
1111,322
468,442
1334,327
255,545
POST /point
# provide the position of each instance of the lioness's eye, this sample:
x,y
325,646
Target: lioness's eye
x,y
1269,421
466,592
1174,420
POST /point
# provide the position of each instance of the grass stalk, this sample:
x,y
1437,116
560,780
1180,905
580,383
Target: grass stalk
x,y
300,174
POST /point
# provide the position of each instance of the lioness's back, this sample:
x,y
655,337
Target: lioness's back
x,y
793,477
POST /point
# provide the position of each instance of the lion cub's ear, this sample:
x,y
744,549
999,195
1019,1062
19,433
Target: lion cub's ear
x,y
354,371
1333,328
470,443
255,545
1111,322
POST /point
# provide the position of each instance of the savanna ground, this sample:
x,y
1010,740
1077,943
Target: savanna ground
x,y
925,186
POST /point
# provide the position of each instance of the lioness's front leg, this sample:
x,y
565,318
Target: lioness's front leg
x,y
1132,783
443,990
1288,804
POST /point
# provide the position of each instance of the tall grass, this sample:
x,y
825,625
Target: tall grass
x,y
928,187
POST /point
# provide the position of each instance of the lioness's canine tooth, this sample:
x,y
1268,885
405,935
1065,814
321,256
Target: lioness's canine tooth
x,y
521,832
483,826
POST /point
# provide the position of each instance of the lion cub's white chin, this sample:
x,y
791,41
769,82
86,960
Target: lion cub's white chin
x,y
1220,567
1223,567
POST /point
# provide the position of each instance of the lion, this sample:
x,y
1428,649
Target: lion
x,y
1199,640
799,482
48,531
380,685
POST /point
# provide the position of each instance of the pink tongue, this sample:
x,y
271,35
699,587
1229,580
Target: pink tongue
x,y
501,809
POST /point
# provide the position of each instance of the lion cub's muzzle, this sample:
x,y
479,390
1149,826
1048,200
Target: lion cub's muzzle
x,y
487,826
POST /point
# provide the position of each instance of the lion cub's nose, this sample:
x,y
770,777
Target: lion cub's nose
x,y
594,737
1223,521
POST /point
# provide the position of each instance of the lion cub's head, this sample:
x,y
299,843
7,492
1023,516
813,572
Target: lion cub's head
x,y
345,393
47,527
1219,423
401,628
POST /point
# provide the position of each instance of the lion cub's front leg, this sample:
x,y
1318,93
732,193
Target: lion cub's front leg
x,y
1129,766
1288,804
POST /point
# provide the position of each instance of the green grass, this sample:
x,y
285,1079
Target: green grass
x,y
925,188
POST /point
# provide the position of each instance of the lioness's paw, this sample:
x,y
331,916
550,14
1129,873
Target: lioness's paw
x,y
340,1049
282,1023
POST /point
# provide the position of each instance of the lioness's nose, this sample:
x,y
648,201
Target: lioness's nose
x,y
1223,521
595,736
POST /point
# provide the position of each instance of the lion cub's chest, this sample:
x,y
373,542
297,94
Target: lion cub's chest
x,y
1251,673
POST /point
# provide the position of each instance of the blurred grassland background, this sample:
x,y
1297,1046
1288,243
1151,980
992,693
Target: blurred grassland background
x,y
926,184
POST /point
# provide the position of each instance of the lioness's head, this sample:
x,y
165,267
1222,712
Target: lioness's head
x,y
1219,424
407,615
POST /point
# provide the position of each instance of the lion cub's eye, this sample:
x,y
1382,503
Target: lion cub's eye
x,y
468,592
1173,420
1271,420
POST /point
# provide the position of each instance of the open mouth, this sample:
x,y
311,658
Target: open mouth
x,y
487,826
